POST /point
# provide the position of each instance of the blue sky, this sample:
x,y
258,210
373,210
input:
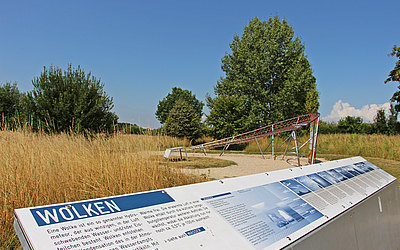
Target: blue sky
x,y
141,49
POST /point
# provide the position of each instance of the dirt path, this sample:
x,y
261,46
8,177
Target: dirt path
x,y
246,165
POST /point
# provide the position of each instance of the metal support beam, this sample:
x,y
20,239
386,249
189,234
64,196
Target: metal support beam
x,y
262,154
290,139
225,148
269,144
315,142
297,149
273,146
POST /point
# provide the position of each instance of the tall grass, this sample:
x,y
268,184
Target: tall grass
x,y
38,169
380,146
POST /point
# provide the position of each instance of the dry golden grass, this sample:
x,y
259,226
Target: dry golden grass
x,y
380,146
382,150
39,169
198,163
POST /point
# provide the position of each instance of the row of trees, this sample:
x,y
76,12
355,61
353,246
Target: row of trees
x,y
267,79
382,125
182,120
356,125
60,101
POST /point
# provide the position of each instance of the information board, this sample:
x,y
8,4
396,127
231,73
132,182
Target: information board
x,y
262,211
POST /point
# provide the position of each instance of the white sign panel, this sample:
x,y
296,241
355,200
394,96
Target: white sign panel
x,y
262,211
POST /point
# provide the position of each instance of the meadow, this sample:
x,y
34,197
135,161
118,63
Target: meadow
x,y
382,150
38,168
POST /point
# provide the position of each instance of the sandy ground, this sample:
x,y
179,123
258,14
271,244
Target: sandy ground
x,y
246,165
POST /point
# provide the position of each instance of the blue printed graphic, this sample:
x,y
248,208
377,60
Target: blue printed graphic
x,y
80,210
309,183
337,175
322,183
352,170
295,186
332,179
344,172
272,209
195,231
214,196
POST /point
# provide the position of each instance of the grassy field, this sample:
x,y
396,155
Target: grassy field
x,y
379,146
198,163
381,150
38,169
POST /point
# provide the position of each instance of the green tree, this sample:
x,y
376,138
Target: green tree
x,y
394,76
183,121
381,122
312,103
327,127
226,118
9,102
351,125
269,71
70,99
128,128
168,103
393,123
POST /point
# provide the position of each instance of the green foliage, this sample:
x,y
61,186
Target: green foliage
x,y
354,125
381,122
70,99
392,122
270,75
168,103
312,103
183,121
226,116
327,127
128,128
394,76
9,102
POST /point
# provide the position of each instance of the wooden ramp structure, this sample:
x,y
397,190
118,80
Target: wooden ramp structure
x,y
289,125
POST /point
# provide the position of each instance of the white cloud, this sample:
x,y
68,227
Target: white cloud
x,y
367,113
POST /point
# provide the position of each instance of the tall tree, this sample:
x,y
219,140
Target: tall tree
x,y
70,99
269,71
9,102
394,76
183,121
381,122
167,103
393,123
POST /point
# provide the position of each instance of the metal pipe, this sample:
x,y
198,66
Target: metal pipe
x,y
262,154
273,146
